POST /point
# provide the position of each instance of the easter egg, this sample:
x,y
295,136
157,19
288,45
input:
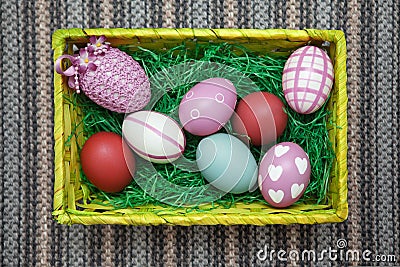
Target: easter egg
x,y
226,163
108,76
307,79
284,174
118,83
154,136
106,162
261,117
206,107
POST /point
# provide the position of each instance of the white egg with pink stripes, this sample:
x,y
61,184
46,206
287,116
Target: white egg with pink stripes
x,y
307,79
154,136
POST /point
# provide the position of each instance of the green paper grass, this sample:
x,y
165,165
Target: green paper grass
x,y
309,131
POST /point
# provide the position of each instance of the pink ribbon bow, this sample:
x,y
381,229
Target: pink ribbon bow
x,y
85,61
71,72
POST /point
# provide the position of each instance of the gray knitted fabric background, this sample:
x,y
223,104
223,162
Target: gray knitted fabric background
x,y
30,237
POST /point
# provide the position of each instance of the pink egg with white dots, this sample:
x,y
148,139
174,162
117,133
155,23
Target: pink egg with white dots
x,y
207,106
307,79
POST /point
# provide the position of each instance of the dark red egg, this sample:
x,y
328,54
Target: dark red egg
x,y
261,117
107,162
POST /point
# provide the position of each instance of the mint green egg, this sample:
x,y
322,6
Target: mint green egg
x,y
227,163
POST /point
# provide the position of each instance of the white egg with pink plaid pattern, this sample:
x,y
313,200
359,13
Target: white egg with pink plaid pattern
x,y
307,79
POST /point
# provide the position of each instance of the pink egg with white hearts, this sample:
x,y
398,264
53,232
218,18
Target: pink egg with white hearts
x,y
284,174
307,79
206,107
154,136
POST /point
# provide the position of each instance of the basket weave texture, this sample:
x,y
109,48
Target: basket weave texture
x,y
68,194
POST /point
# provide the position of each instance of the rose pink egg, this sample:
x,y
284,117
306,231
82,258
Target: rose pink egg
x,y
119,83
307,79
206,107
284,174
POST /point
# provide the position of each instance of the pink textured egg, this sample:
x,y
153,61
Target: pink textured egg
x,y
284,174
307,79
206,107
119,83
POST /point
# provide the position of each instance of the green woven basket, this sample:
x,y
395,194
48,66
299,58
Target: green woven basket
x,y
68,193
